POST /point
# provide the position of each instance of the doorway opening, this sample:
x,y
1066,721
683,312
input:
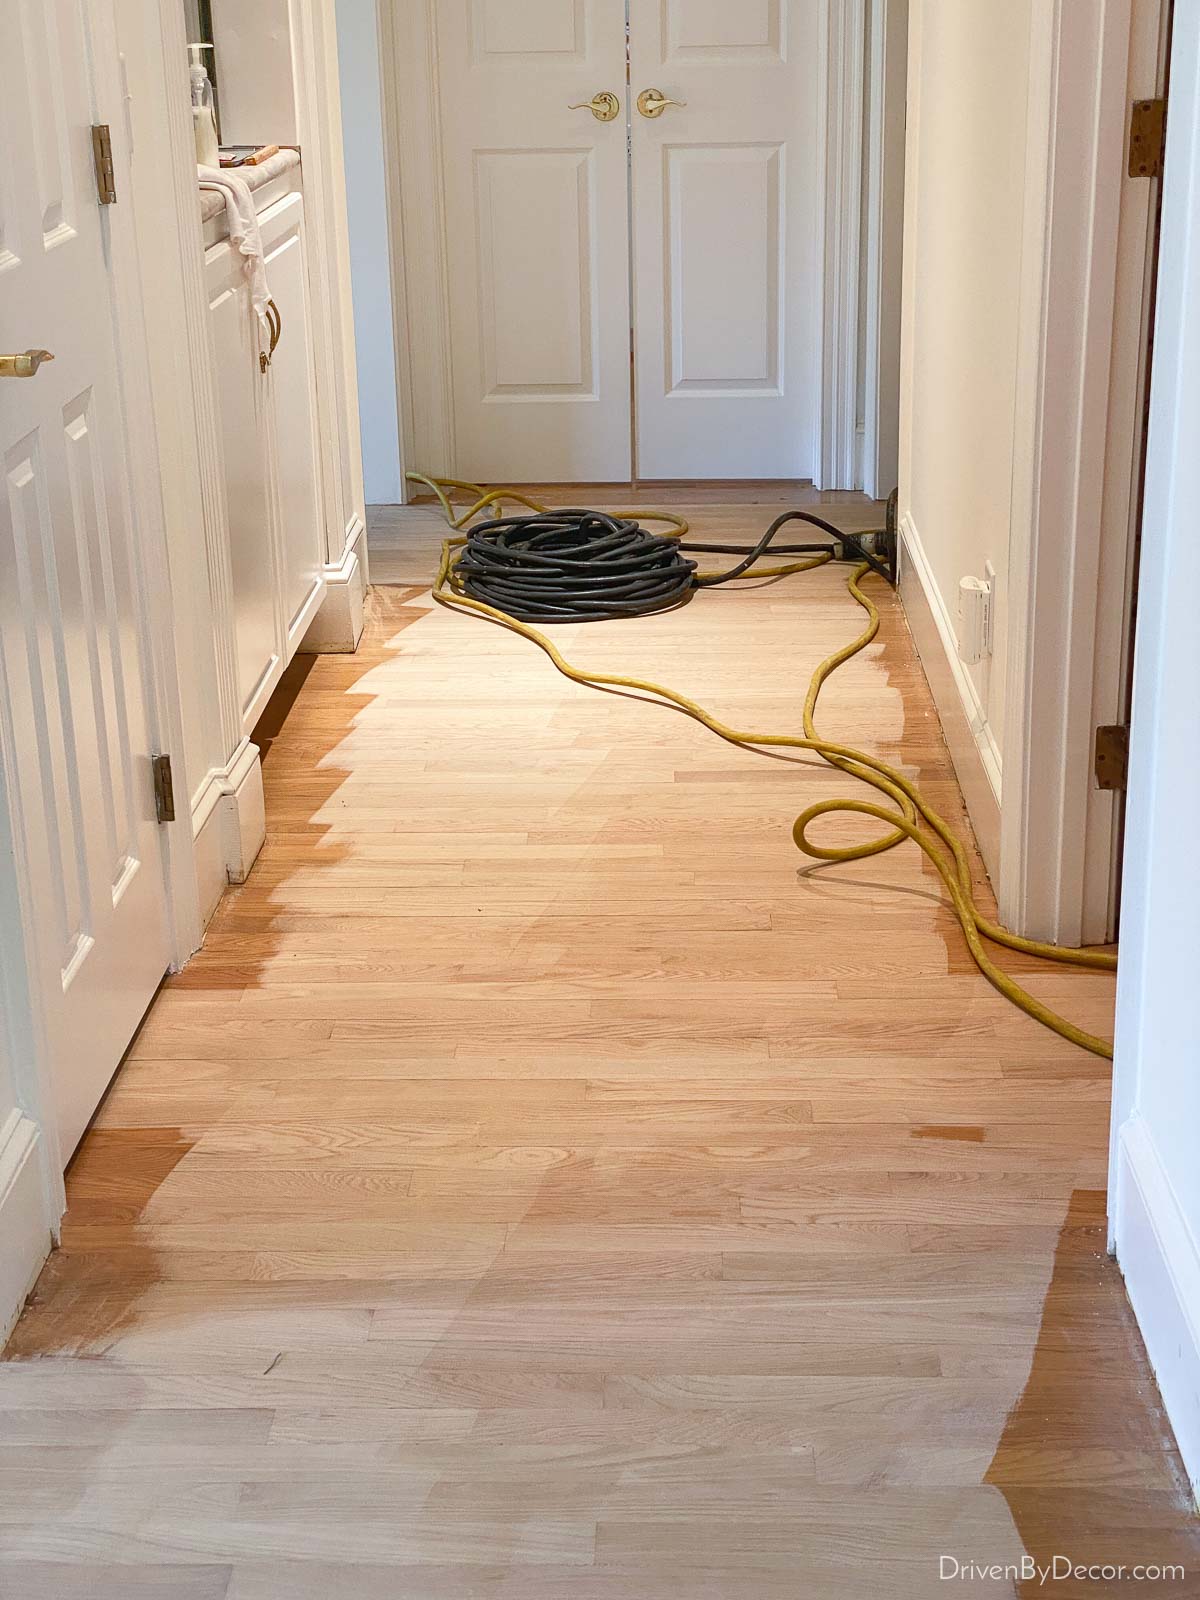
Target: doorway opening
x,y
645,245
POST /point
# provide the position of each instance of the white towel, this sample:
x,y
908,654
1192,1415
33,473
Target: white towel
x,y
243,232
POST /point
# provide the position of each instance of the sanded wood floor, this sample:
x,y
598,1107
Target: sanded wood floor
x,y
545,1185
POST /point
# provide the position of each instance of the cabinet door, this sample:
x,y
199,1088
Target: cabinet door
x,y
291,390
240,403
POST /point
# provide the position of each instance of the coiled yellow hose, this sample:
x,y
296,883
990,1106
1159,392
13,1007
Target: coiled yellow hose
x,y
914,818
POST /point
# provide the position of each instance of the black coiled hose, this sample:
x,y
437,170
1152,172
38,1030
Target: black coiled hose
x,y
572,566
581,566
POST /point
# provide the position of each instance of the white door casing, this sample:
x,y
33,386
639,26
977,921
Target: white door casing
x,y
536,225
727,233
73,634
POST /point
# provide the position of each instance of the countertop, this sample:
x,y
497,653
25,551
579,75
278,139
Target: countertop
x,y
213,205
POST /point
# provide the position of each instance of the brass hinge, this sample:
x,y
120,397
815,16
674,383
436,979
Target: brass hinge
x,y
1147,138
164,788
106,186
1112,756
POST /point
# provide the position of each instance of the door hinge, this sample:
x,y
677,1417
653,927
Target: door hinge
x,y
1112,756
164,788
106,186
1147,138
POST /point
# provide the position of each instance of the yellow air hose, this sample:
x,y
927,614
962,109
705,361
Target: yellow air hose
x,y
914,818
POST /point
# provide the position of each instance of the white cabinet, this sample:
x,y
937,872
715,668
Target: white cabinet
x,y
271,454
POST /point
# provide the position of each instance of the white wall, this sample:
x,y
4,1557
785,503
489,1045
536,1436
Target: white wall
x,y
964,203
370,259
1156,1111
255,87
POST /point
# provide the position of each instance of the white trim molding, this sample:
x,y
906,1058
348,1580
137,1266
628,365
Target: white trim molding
x,y
843,57
318,110
417,230
1160,1260
878,470
229,824
24,1222
338,624
968,733
1051,810
32,1193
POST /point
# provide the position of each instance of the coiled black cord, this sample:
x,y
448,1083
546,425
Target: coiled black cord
x,y
580,566
572,566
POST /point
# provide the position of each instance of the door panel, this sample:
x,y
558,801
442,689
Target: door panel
x,y
72,609
722,344
537,236
520,195
726,222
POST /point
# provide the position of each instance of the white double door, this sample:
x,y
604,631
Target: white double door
x,y
76,722
687,240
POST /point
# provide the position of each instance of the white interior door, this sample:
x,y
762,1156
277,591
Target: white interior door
x,y
727,227
536,225
72,612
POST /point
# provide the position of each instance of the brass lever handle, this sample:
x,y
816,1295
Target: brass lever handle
x,y
653,102
24,365
275,322
603,106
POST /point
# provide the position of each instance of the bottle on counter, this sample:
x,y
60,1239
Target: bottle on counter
x,y
204,121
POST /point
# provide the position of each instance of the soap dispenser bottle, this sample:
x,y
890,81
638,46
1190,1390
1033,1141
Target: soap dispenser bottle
x,y
204,121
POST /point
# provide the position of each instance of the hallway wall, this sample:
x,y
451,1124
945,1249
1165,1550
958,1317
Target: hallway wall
x,y
965,196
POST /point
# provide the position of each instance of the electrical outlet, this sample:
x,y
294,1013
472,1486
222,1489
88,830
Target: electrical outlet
x,y
989,573
974,620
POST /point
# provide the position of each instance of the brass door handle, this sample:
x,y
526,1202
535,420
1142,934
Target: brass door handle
x,y
653,102
275,321
24,365
604,106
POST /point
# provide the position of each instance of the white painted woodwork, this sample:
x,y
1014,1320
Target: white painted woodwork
x,y
314,62
536,217
842,330
359,68
74,652
726,205
221,779
883,244
240,405
1154,1174
271,456
1087,289
292,396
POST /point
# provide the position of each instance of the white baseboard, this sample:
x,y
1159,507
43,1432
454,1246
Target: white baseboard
x,y
338,625
24,1228
229,825
972,746
1160,1259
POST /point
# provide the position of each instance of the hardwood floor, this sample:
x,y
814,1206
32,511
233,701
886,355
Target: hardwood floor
x,y
546,1185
